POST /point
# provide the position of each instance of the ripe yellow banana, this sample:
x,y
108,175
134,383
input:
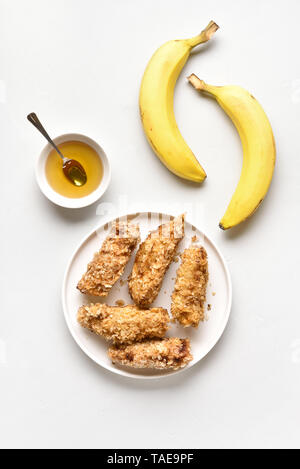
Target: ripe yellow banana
x,y
258,146
156,105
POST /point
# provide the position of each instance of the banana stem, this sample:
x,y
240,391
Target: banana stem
x,y
205,35
200,85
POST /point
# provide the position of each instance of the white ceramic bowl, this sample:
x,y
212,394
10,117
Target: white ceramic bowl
x,y
67,202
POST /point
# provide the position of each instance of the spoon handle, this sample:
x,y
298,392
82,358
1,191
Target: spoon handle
x,y
33,118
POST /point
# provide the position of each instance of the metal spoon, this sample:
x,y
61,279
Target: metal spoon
x,y
71,168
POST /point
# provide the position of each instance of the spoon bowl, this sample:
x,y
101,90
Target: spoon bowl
x,y
55,197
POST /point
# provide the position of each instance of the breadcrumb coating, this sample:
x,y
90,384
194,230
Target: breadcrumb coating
x,y
124,325
172,353
189,296
152,261
109,263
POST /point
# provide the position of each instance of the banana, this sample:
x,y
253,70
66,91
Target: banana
x,y
258,147
157,110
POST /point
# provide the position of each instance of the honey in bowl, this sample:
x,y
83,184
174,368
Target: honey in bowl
x,y
87,157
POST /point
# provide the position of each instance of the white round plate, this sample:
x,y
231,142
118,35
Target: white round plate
x,y
67,202
203,339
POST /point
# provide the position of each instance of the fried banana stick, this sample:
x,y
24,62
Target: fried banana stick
x,y
164,354
109,263
153,260
124,325
189,296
